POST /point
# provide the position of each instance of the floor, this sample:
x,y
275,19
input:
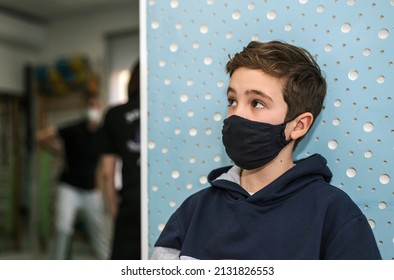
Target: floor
x,y
80,250
29,248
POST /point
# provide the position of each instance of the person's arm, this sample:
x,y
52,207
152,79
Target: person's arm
x,y
163,253
107,182
48,138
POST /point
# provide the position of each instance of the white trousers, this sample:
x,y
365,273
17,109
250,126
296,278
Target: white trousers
x,y
70,200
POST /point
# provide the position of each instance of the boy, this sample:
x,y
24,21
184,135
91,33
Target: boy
x,y
266,206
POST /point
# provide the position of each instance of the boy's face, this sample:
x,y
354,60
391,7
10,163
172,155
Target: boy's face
x,y
256,96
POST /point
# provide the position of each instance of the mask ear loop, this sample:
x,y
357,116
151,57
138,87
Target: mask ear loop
x,y
282,136
283,139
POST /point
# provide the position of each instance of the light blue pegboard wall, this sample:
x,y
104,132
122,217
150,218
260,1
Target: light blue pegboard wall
x,y
188,47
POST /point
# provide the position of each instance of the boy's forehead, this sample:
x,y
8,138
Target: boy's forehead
x,y
255,80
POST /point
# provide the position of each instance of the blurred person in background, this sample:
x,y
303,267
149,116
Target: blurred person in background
x,y
77,142
121,140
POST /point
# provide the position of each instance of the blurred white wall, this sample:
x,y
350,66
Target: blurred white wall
x,y
23,41
20,42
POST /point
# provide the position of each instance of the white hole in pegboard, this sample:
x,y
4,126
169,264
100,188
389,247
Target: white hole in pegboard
x,y
161,226
203,180
204,29
208,60
164,150
190,114
189,82
229,35
192,160
217,117
368,154
353,75
288,27
351,2
184,97
177,131
167,82
151,145
271,15
208,131
178,26
320,9
382,205
162,63
380,79
174,4
336,122
366,52
193,131
189,186
172,203
155,24
210,2
351,172
175,174
167,118
236,15
303,2
332,145
337,102
217,158
155,188
208,96
328,47
346,27
368,127
251,6
372,223
220,84
255,37
173,47
196,45
383,33
384,179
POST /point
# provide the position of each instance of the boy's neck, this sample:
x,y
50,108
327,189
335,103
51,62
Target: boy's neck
x,y
257,179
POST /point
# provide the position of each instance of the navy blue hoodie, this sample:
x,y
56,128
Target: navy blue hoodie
x,y
298,216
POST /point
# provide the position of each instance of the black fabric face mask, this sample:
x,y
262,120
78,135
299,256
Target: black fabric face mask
x,y
251,144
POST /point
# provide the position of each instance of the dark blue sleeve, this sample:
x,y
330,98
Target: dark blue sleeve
x,y
353,241
170,237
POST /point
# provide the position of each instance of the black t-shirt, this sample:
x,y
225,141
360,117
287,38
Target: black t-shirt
x,y
121,136
81,155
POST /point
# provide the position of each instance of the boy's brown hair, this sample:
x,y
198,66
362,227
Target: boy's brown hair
x,y
304,84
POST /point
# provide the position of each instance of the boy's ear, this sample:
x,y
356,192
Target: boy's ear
x,y
301,125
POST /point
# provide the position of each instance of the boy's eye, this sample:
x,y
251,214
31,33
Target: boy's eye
x,y
231,102
258,105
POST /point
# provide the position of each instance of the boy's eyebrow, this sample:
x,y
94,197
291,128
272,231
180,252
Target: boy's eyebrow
x,y
230,89
252,91
258,92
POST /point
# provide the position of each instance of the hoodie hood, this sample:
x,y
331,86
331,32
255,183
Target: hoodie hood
x,y
305,171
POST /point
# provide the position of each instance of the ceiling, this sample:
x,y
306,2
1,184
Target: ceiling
x,y
48,10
